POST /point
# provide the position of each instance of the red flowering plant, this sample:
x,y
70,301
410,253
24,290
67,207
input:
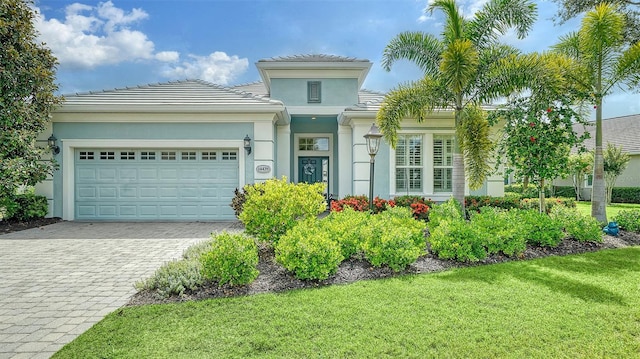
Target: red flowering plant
x,y
419,205
361,204
538,139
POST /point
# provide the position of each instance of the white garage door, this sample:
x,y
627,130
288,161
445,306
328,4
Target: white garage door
x,y
155,184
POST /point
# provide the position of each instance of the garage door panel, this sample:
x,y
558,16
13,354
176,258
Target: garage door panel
x,y
155,185
128,193
107,174
128,174
108,193
86,193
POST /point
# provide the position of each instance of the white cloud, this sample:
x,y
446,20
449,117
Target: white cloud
x,y
94,36
168,56
218,68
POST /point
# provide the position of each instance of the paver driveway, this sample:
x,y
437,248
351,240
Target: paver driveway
x,y
57,281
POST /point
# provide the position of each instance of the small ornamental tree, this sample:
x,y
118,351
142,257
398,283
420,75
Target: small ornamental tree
x,y
580,164
27,74
538,139
615,162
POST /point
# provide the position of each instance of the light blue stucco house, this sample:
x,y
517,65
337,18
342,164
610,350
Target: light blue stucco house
x,y
176,150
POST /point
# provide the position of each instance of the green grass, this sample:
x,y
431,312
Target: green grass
x,y
612,209
580,306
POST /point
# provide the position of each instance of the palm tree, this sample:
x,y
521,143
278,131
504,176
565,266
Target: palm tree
x,y
460,74
602,62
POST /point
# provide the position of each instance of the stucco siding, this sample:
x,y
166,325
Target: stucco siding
x,y
334,92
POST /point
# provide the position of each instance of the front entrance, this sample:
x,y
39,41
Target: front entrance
x,y
313,170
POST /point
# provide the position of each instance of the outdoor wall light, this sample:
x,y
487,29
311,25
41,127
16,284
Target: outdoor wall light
x,y
247,144
373,138
53,146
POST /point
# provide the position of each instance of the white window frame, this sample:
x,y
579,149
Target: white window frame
x,y
427,163
422,167
434,167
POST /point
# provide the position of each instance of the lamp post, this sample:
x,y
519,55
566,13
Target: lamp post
x,y
373,138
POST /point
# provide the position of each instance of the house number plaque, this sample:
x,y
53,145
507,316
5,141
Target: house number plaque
x,y
263,169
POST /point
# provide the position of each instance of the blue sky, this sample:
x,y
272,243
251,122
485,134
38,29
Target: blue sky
x,y
118,43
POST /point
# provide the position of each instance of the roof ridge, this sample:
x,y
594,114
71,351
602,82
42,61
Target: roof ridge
x,y
310,56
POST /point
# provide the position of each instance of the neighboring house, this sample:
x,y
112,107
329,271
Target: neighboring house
x,y
622,132
176,151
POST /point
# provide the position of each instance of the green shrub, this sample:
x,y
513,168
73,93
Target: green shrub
x,y
629,220
475,203
239,198
530,192
538,228
8,208
273,207
232,259
534,203
449,210
564,191
174,277
499,230
195,251
30,206
347,228
308,251
395,239
456,239
578,226
625,195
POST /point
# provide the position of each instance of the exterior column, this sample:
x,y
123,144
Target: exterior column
x,y
263,152
345,161
283,162
360,158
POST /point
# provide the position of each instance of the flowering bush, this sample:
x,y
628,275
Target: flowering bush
x,y
419,205
361,203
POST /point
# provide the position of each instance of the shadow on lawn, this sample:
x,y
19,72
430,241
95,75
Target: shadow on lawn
x,y
548,272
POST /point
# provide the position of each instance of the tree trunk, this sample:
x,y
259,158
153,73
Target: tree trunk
x,y
543,203
458,179
598,195
458,175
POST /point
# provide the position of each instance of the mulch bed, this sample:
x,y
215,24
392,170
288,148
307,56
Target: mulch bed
x,y
274,278
14,226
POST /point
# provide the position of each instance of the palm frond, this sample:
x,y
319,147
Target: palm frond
x,y
413,100
459,65
421,48
454,27
498,16
627,71
474,138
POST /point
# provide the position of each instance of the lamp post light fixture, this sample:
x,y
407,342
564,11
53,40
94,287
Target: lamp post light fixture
x,y
53,146
373,138
247,144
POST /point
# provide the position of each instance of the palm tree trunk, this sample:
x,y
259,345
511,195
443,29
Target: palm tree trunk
x,y
598,192
458,175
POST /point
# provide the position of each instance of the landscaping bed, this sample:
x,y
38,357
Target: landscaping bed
x,y
14,226
275,278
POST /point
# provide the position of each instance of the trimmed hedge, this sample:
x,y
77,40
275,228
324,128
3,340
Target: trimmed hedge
x,y
564,191
625,195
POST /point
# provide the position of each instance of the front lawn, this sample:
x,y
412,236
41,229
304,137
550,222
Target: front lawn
x,y
612,209
576,306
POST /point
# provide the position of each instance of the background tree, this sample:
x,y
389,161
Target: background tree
x,y
602,61
538,139
27,74
615,162
457,67
568,9
580,165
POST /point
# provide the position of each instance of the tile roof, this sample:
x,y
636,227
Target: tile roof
x,y
620,131
313,58
186,92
